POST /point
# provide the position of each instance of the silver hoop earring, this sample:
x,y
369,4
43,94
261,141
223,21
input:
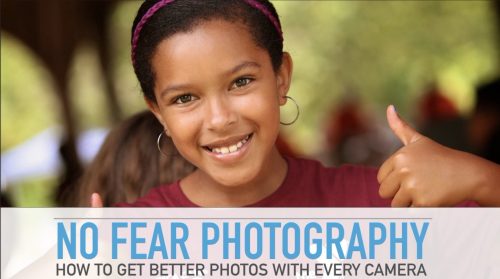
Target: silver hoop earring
x,y
158,143
296,116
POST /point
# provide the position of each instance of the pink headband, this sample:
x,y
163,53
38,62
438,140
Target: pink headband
x,y
162,3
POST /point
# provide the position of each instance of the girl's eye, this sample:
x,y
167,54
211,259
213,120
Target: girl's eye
x,y
183,99
240,82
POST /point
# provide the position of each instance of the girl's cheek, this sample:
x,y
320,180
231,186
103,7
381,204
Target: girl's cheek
x,y
268,108
178,124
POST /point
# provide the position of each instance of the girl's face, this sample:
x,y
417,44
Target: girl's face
x,y
218,98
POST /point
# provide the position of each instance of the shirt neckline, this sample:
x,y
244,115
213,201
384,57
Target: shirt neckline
x,y
265,202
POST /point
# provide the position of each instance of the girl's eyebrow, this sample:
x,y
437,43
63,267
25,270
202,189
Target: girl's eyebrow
x,y
179,87
237,68
245,64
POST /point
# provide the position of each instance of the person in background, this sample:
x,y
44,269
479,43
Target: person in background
x,y
351,135
72,171
129,163
484,125
439,119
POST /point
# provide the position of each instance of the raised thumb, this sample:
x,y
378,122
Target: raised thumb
x,y
400,128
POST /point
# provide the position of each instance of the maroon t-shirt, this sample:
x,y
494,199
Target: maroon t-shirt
x,y
307,184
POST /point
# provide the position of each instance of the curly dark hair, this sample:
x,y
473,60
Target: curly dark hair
x,y
184,15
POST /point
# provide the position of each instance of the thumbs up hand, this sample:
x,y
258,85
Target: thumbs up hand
x,y
425,173
401,129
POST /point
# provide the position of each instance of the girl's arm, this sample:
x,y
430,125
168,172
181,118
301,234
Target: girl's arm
x,y
425,173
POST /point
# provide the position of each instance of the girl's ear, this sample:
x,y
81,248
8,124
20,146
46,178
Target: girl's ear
x,y
153,107
284,77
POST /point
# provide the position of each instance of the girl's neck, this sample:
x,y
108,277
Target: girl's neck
x,y
202,190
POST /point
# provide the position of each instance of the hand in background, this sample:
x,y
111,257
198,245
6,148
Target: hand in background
x,y
426,173
96,200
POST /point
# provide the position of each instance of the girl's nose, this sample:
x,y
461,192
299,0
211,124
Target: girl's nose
x,y
221,114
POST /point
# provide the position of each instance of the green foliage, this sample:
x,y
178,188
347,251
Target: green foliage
x,y
385,51
27,103
34,193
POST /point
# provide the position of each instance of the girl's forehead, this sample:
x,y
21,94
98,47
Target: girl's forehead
x,y
214,44
209,33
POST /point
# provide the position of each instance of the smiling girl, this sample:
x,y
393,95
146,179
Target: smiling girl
x,y
215,75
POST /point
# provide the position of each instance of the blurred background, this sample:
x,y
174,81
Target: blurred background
x,y
66,78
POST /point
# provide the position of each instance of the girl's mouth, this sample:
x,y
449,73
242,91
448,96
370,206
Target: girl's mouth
x,y
229,148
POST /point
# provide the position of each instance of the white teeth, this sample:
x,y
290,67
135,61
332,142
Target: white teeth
x,y
232,148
